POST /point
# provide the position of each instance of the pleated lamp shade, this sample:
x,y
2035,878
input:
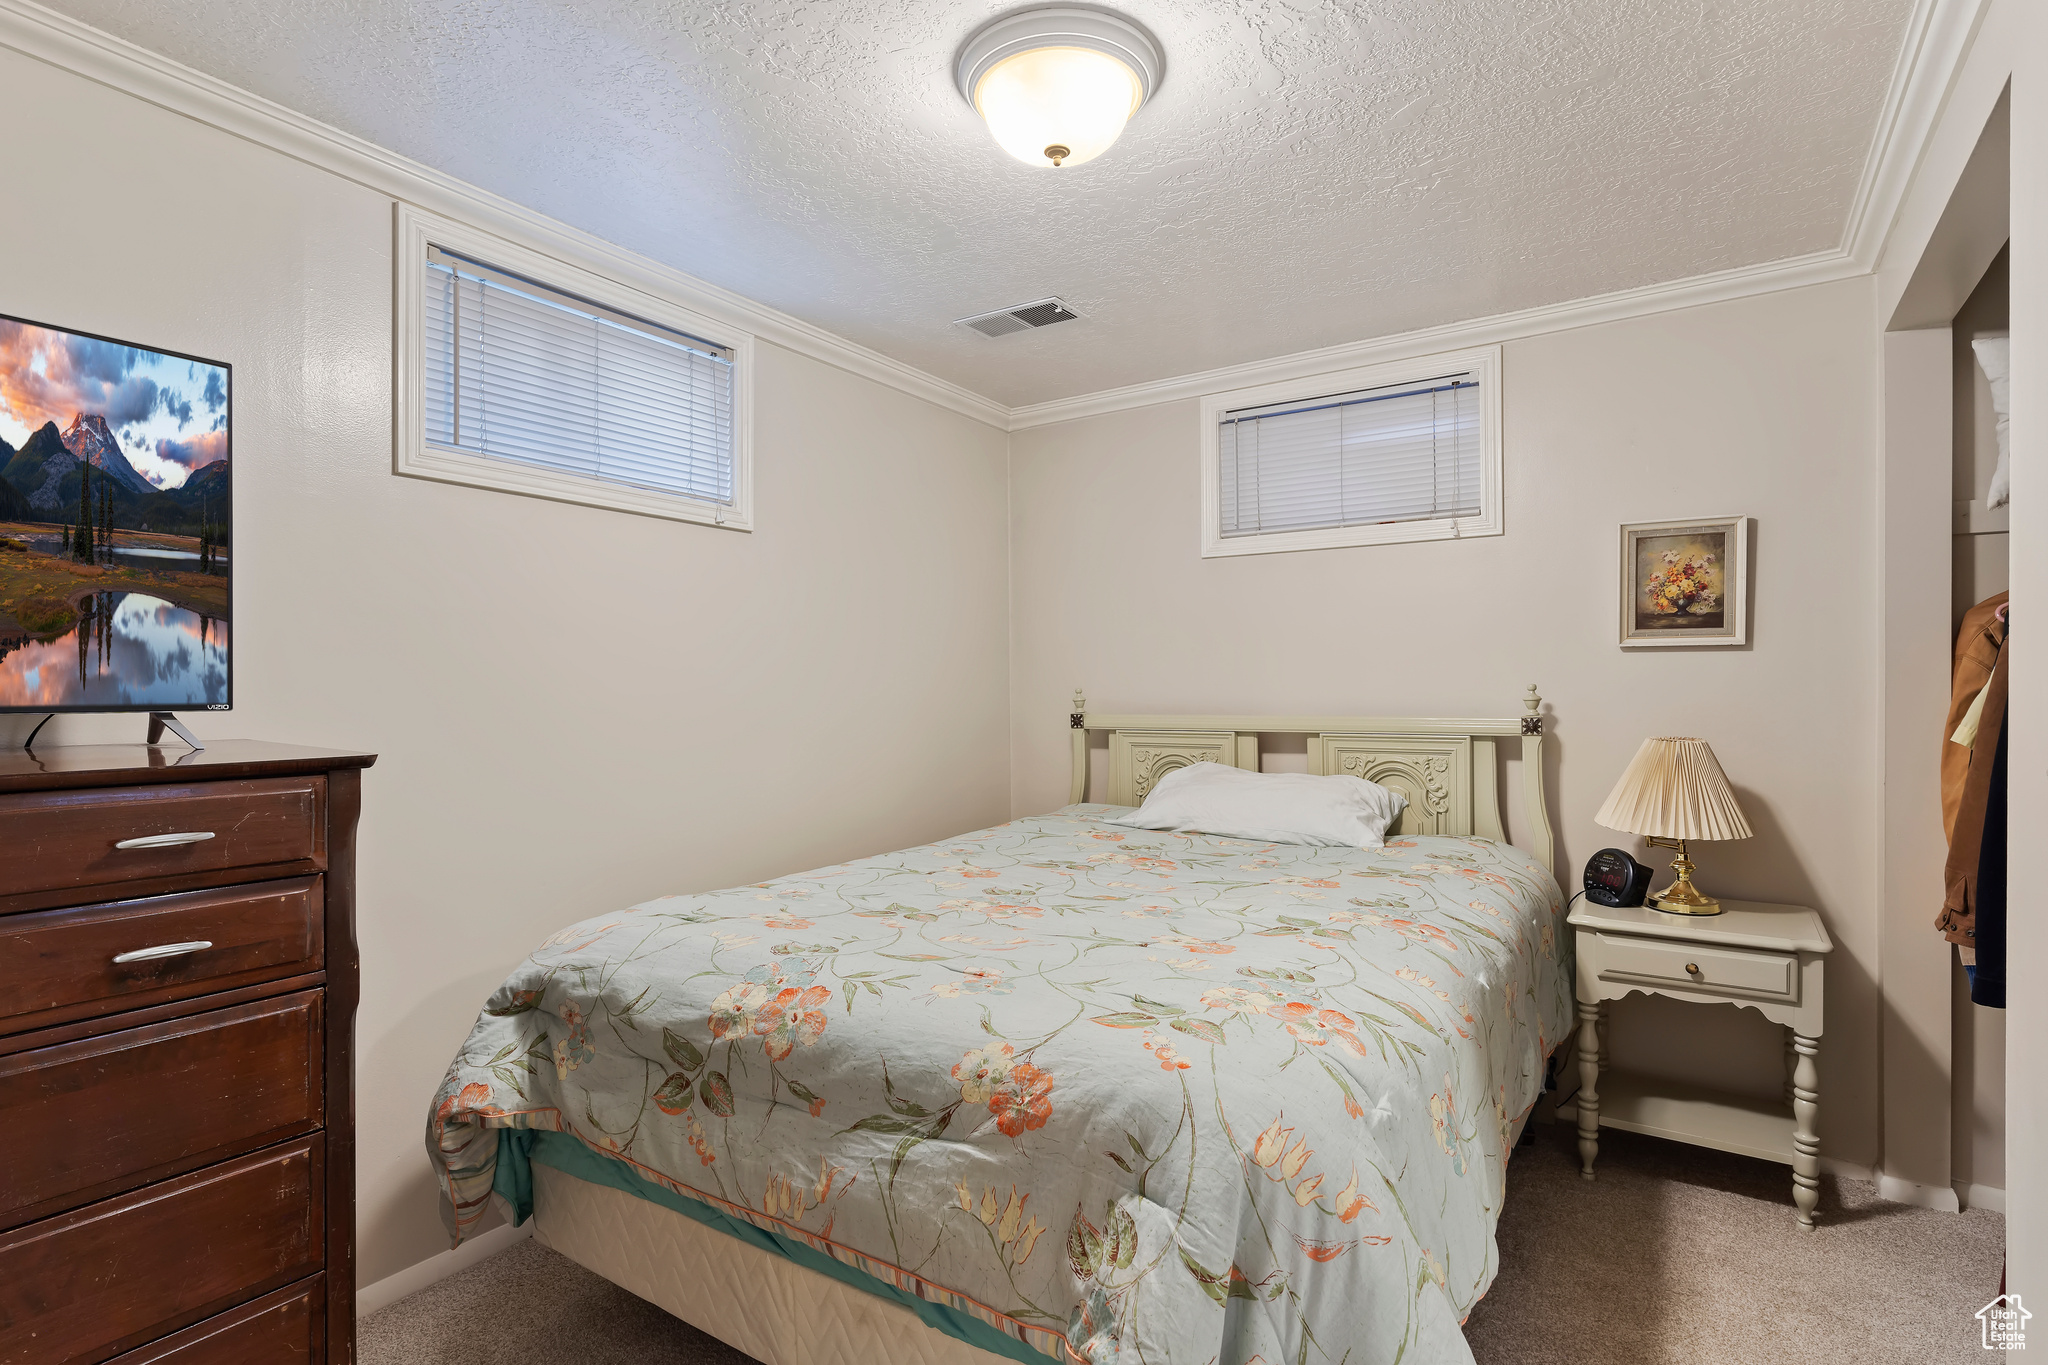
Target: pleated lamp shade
x,y
1675,789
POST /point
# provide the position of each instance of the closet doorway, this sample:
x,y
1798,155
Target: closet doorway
x,y
1944,550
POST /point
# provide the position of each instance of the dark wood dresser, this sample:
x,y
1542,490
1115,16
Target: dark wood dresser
x,y
177,1014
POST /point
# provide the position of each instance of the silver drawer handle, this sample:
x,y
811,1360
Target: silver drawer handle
x,y
196,836
162,950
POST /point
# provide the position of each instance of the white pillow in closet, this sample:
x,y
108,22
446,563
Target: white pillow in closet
x,y
1275,808
1994,357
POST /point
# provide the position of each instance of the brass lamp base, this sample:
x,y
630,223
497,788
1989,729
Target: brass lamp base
x,y
1681,897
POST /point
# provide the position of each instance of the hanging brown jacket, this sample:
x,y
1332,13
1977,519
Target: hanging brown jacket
x,y
1978,645
1958,918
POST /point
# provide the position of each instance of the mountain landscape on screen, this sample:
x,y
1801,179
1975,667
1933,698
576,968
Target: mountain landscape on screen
x,y
116,502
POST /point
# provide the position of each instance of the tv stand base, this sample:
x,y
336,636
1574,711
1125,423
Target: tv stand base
x,y
160,721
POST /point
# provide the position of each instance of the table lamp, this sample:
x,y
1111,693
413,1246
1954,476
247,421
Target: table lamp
x,y
1673,791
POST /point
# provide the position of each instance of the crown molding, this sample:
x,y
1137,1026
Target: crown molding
x,y
69,45
1938,39
1819,268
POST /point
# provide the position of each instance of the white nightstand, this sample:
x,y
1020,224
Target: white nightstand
x,y
1762,957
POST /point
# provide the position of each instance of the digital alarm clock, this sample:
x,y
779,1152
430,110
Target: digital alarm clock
x,y
1614,878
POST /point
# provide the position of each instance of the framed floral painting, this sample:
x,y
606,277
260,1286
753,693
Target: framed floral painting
x,y
1685,582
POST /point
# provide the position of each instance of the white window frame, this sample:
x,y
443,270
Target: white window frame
x,y
1482,362
417,457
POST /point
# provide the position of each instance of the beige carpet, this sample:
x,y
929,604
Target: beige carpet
x,y
1680,1254
1674,1254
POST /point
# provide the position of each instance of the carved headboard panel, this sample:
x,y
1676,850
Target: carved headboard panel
x,y
1446,768
1434,772
1139,758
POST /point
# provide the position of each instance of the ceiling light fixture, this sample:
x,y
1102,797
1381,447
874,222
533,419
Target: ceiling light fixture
x,y
1057,85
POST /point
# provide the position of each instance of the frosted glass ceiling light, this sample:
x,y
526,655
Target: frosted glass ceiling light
x,y
1057,85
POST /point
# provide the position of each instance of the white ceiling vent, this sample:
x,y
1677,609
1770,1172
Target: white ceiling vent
x,y
1020,318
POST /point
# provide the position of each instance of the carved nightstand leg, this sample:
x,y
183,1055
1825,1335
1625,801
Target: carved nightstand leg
x,y
1606,1053
1791,1064
1589,1087
1805,1141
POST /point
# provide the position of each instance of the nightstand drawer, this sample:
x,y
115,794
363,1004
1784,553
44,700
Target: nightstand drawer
x,y
1727,971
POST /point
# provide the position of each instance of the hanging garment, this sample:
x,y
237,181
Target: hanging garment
x,y
1987,979
1978,645
1957,920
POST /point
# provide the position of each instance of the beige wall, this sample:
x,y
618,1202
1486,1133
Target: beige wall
x,y
1764,407
575,708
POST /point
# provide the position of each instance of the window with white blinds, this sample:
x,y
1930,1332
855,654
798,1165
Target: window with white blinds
x,y
1410,460
516,371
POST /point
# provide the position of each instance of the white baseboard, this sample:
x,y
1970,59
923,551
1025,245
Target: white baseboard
x,y
1902,1191
414,1278
1987,1197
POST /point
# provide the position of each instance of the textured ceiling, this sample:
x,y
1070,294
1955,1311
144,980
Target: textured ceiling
x,y
1311,171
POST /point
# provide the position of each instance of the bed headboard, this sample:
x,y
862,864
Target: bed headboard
x,y
1444,767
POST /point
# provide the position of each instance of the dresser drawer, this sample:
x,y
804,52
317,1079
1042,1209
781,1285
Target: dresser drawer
x,y
1725,971
278,1329
121,1273
84,1119
57,965
64,839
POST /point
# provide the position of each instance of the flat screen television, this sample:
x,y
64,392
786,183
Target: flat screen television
x,y
116,525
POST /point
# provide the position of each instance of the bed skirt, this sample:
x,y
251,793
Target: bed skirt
x,y
779,1300
773,1309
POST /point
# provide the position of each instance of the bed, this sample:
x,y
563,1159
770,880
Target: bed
x,y
1056,1089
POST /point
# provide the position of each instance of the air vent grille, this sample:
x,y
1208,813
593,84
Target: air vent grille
x,y
997,324
1021,318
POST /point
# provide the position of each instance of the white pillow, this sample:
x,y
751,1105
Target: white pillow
x,y
1994,357
1274,808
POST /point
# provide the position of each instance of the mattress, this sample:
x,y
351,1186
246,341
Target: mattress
x,y
1102,1093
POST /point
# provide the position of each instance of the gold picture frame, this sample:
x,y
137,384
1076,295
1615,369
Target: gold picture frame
x,y
1685,583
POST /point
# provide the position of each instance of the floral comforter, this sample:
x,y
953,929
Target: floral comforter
x,y
1126,1096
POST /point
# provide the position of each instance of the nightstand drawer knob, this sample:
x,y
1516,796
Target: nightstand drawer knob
x,y
1693,968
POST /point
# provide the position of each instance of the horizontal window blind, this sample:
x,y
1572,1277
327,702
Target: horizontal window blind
x,y
1406,452
517,371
